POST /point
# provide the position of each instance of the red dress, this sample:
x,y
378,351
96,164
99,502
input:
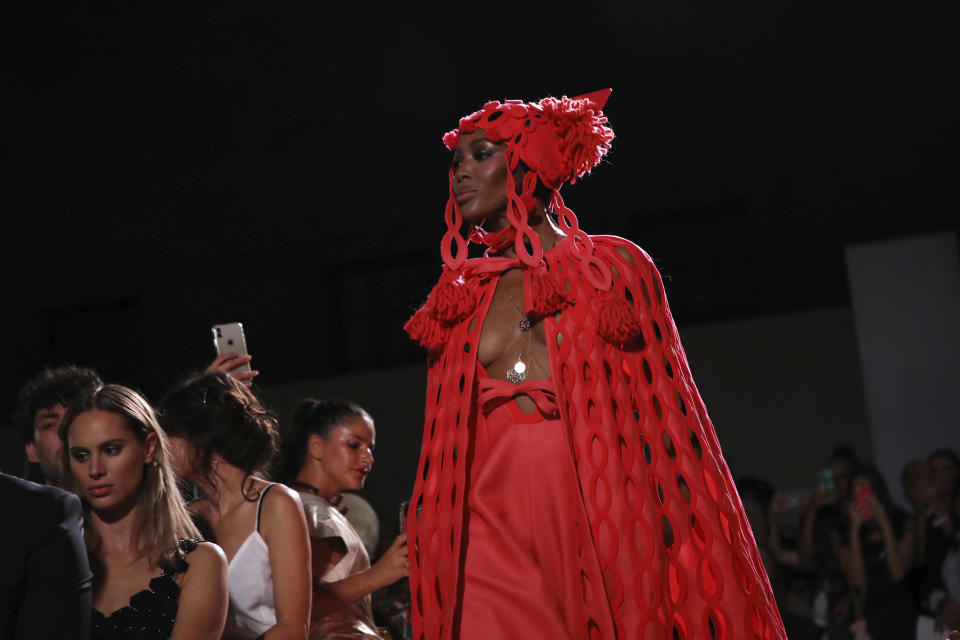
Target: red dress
x,y
608,513
517,562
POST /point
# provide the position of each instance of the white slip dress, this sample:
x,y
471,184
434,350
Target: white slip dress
x,y
250,580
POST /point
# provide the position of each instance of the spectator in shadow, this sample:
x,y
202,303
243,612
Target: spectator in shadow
x,y
876,552
825,517
764,507
940,587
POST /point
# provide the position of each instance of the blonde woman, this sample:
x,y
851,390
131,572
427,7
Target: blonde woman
x,y
153,576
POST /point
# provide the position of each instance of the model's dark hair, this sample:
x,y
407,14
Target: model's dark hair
x,y
311,417
52,386
165,520
217,414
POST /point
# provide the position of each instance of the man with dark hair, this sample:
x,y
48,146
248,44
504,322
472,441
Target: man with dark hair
x,y
40,406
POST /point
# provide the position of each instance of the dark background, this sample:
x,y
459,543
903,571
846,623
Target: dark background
x,y
172,167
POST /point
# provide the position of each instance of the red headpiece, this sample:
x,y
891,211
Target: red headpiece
x,y
559,140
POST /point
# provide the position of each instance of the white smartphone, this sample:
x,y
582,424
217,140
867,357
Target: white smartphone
x,y
229,338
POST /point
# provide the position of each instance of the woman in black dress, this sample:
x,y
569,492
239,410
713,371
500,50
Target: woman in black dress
x,y
153,576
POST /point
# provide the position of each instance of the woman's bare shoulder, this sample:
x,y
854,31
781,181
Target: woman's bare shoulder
x,y
207,556
281,503
206,563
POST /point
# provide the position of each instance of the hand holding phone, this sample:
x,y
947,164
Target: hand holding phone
x,y
232,357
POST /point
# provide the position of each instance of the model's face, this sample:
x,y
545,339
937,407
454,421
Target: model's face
x,y
107,461
346,454
46,446
479,177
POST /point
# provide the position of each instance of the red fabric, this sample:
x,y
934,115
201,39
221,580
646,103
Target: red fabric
x,y
517,563
666,550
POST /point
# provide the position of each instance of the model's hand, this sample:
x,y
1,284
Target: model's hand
x,y
229,363
394,564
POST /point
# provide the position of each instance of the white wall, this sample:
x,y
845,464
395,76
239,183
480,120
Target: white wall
x,y
906,305
782,391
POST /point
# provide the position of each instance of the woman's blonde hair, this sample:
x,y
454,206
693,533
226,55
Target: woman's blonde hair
x,y
164,518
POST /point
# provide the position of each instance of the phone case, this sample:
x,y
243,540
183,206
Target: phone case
x,y
861,496
229,338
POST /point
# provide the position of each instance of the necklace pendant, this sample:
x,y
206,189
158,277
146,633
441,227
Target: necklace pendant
x,y
525,324
518,373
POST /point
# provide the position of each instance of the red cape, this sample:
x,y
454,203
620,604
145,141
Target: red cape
x,y
669,552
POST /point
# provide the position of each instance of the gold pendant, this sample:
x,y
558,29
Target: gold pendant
x,y
518,373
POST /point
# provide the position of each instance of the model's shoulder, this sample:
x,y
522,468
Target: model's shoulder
x,y
625,249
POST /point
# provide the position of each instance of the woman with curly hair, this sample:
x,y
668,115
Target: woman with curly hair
x,y
570,482
224,439
153,576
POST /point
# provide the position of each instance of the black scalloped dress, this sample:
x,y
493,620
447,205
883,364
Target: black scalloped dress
x,y
151,612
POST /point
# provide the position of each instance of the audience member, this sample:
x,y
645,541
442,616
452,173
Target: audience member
x,y
948,614
40,407
931,491
945,465
876,552
824,518
45,582
764,508
224,440
153,576
329,450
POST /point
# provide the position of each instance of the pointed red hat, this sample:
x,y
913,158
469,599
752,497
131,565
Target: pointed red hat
x,y
560,140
